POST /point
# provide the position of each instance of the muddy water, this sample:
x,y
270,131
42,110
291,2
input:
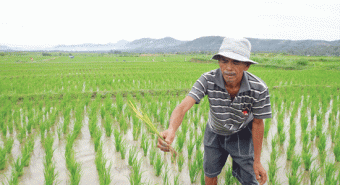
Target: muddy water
x,y
85,154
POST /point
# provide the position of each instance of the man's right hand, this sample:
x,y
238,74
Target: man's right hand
x,y
169,136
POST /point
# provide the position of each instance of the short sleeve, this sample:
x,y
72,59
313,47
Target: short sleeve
x,y
261,107
198,91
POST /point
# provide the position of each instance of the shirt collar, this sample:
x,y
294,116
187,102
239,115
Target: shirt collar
x,y
244,83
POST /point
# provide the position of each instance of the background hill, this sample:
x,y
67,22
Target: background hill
x,y
202,44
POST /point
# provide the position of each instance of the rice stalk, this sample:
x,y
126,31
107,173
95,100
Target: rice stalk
x,y
151,127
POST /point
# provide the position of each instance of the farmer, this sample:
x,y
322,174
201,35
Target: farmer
x,y
239,101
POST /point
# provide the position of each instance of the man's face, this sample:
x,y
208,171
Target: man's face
x,y
232,70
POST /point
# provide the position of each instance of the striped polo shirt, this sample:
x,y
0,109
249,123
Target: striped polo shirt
x,y
227,117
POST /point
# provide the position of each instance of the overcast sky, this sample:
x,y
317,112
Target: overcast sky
x,y
48,23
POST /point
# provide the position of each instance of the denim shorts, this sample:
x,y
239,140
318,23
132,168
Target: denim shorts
x,y
239,146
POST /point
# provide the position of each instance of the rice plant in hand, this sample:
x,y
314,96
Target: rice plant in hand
x,y
151,127
159,162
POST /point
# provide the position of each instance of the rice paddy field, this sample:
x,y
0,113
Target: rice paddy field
x,y
67,121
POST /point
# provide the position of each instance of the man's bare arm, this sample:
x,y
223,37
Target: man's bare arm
x,y
257,134
178,114
175,121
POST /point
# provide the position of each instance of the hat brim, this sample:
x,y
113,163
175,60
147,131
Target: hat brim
x,y
234,56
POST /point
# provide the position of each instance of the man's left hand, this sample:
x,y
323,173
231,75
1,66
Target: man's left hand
x,y
260,172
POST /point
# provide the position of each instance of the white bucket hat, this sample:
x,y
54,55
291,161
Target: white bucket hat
x,y
237,49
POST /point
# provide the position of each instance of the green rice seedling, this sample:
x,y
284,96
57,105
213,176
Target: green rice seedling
x,y
313,175
165,176
159,162
103,172
266,128
108,126
199,158
296,163
136,131
9,144
293,178
319,126
202,179
180,141
135,177
97,141
102,112
307,157
27,151
132,155
193,171
14,179
184,127
336,151
198,140
50,174
143,139
122,150
290,152
228,176
66,123
282,137
145,147
19,168
180,162
322,143
176,179
3,158
330,169
312,134
118,139
305,140
322,157
152,154
123,124
190,148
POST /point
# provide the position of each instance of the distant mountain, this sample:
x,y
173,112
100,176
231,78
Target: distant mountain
x,y
208,43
